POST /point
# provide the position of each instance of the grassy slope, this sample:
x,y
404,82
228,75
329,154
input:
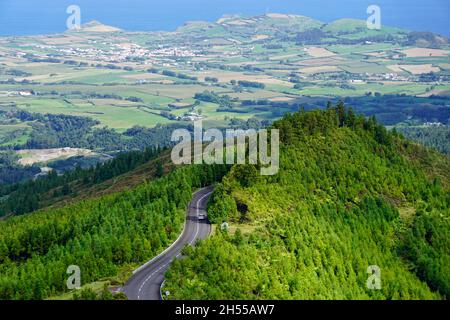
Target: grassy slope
x,y
129,180
329,214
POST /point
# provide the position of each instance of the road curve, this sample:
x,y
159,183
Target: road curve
x,y
146,281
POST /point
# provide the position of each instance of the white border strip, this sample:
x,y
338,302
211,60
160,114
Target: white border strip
x,y
160,290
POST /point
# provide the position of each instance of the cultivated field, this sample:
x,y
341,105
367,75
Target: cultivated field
x,y
425,52
143,79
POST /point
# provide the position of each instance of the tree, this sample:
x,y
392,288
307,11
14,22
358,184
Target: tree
x,y
159,169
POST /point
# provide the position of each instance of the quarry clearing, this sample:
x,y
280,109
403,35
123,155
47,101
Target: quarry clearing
x,y
31,156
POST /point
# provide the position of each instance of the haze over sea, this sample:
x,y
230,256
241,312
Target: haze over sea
x,y
28,17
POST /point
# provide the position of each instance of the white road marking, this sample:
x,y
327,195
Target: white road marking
x,y
149,277
163,266
196,225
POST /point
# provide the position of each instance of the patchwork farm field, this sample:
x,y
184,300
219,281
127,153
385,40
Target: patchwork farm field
x,y
222,73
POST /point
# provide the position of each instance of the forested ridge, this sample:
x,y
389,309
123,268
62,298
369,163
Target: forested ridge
x,y
60,131
98,235
349,195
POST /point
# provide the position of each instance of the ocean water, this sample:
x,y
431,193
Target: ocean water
x,y
29,17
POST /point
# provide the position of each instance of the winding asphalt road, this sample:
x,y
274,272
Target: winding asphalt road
x,y
146,281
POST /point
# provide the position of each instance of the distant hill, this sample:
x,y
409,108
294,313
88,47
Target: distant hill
x,y
352,26
271,21
304,29
427,39
277,26
247,27
98,27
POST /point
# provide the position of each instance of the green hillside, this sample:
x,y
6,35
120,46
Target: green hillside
x,y
354,26
104,236
290,25
345,25
349,195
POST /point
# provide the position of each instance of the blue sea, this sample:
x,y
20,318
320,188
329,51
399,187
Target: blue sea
x,y
30,17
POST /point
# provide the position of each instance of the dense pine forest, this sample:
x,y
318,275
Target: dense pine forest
x,y
59,130
99,235
349,195
437,137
